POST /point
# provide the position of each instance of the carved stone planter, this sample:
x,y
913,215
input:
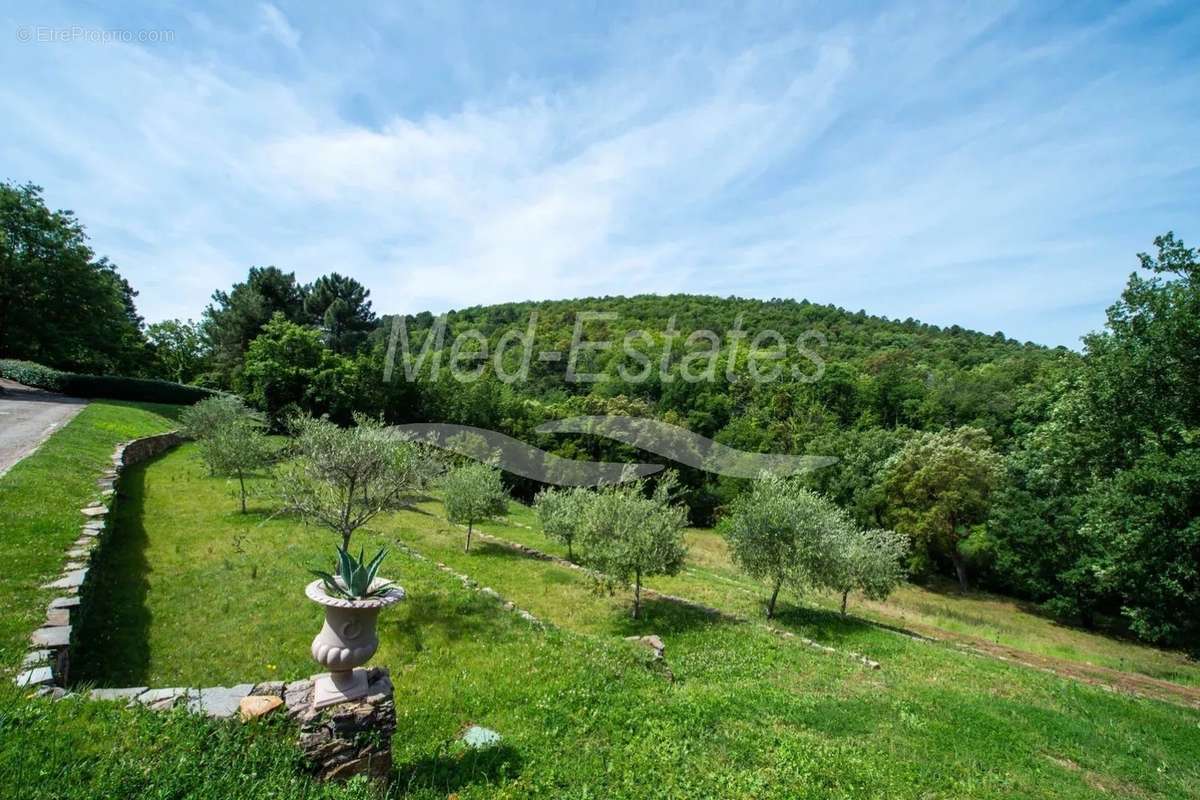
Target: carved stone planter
x,y
347,640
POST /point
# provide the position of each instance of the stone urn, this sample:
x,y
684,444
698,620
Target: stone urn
x,y
346,641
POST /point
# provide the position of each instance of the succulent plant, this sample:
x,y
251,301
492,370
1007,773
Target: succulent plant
x,y
355,576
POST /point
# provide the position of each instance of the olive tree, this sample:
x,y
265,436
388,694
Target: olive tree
x,y
204,420
473,493
237,448
866,561
560,512
628,535
341,478
780,531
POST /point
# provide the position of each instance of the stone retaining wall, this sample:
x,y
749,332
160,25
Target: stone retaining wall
x,y
48,661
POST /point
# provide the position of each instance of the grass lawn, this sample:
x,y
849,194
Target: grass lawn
x,y
216,598
40,500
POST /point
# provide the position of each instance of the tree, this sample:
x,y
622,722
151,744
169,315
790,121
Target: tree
x,y
779,532
288,368
213,418
342,478
560,512
178,349
473,493
938,487
235,318
59,304
628,535
237,447
339,305
867,561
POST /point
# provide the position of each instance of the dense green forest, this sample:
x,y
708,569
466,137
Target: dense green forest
x,y
1071,479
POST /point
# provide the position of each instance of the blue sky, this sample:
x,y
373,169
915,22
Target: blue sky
x,y
996,166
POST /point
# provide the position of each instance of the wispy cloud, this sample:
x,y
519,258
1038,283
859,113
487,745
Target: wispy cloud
x,y
996,170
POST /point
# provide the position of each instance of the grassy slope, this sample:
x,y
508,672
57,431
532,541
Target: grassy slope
x,y
750,714
40,500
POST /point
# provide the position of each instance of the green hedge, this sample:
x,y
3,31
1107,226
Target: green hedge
x,y
112,387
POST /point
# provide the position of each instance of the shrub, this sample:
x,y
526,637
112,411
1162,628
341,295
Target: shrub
x,y
111,387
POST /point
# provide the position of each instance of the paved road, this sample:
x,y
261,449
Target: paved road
x,y
27,417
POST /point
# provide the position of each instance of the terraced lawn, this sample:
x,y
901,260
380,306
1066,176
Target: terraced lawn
x,y
216,597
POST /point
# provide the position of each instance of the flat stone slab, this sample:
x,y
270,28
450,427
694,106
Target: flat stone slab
x,y
128,693
36,658
52,638
94,511
72,566
38,676
79,552
220,701
57,617
161,699
479,738
273,688
258,705
71,580
65,602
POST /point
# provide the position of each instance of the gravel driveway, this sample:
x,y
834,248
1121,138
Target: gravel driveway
x,y
27,417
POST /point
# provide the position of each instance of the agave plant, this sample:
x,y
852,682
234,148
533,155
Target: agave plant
x,y
355,576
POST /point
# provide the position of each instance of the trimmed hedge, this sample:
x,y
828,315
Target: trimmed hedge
x,y
111,387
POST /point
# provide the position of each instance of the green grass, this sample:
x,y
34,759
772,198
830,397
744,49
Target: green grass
x,y
216,597
40,499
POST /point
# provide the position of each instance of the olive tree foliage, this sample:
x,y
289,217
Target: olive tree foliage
x,y
781,532
868,561
628,535
560,512
237,448
341,478
215,423
473,493
939,488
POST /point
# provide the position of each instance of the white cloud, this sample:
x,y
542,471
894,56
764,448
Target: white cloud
x,y
910,164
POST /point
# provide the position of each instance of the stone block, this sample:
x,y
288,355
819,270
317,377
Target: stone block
x,y
94,512
70,580
351,738
38,676
52,638
57,617
219,702
36,658
162,699
127,693
271,688
65,602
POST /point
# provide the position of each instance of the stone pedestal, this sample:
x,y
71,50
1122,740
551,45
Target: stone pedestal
x,y
350,738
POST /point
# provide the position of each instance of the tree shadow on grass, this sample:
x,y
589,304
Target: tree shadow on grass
x,y
112,634
438,617
820,624
664,617
455,768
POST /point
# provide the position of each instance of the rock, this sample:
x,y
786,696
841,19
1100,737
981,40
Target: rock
x,y
352,738
219,701
478,738
70,580
272,688
297,696
57,616
79,552
39,676
65,602
94,512
161,699
490,592
128,693
71,566
52,638
258,705
36,658
652,642
53,692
